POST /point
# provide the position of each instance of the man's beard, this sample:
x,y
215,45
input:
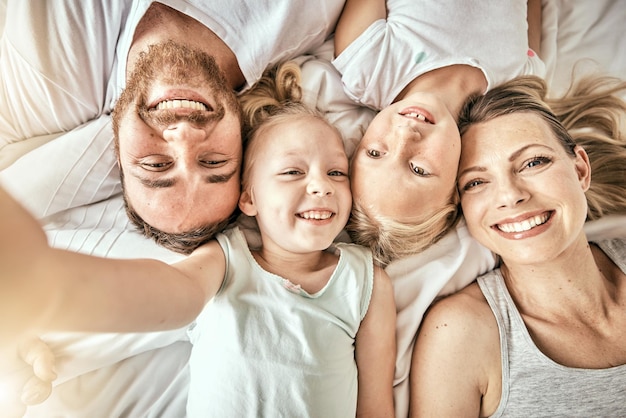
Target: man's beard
x,y
173,63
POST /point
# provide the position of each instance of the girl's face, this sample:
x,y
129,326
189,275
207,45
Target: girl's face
x,y
298,187
405,166
522,194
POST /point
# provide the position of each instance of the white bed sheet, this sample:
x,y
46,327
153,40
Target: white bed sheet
x,y
79,204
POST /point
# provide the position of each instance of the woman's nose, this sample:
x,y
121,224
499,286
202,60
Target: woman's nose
x,y
511,192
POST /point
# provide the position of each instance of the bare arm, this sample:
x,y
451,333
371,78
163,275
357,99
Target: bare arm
x,y
454,359
376,351
534,18
46,288
357,15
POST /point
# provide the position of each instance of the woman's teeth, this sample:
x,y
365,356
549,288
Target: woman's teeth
x,y
523,226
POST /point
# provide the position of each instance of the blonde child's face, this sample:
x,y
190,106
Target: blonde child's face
x,y
298,189
405,166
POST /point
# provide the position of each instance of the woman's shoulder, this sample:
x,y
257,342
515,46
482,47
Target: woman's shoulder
x,y
464,315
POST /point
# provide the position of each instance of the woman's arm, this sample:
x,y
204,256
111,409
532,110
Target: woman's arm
x,y
50,289
376,351
356,16
454,357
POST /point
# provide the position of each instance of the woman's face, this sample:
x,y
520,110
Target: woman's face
x,y
405,166
522,194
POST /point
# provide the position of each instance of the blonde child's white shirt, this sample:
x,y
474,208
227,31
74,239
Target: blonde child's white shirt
x,y
265,347
420,36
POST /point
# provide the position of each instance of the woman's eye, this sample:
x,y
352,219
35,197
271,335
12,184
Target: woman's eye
x,y
373,153
419,170
472,184
536,161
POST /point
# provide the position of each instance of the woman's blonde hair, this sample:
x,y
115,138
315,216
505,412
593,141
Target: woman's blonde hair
x,y
589,114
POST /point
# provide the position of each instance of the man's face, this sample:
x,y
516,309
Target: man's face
x,y
178,136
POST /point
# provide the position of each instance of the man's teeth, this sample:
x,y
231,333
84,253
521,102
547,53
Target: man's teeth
x,y
180,104
526,225
316,215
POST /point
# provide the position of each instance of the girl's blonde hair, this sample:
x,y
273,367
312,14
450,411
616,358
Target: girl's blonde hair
x,y
274,99
589,114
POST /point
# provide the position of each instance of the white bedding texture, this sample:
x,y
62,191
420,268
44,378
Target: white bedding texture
x,y
78,201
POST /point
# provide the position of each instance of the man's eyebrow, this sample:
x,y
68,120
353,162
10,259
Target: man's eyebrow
x,y
221,178
156,184
169,182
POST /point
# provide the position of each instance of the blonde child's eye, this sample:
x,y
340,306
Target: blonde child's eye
x,y
337,173
419,170
373,153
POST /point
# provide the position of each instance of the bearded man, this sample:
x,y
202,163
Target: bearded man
x,y
171,70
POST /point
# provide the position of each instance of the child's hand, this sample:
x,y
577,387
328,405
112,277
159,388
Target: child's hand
x,y
26,375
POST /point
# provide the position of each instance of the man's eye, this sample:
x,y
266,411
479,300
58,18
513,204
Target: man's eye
x,y
419,170
373,153
156,166
212,163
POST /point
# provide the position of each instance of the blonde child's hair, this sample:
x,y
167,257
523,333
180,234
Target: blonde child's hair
x,y
589,114
390,239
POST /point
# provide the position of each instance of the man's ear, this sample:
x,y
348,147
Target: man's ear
x,y
246,203
583,167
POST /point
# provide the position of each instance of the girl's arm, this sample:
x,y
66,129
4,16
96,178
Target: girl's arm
x,y
450,368
50,289
376,351
356,16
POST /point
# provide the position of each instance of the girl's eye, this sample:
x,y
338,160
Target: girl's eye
x,y
373,153
419,170
536,162
292,172
337,173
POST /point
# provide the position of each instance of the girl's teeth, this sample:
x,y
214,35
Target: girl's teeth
x,y
316,215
